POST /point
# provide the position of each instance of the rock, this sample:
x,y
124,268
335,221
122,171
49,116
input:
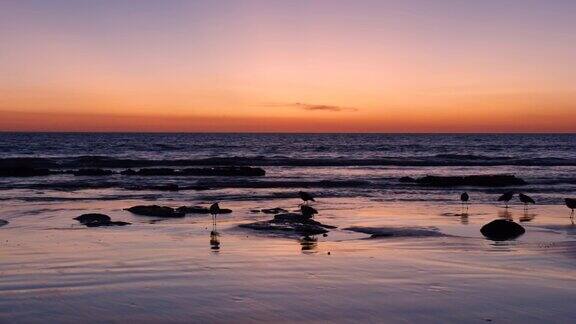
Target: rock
x,y
200,210
3,222
193,210
97,220
156,172
93,218
166,187
502,230
225,172
473,180
290,228
407,179
276,210
92,172
23,172
219,171
155,210
290,223
128,172
108,224
381,232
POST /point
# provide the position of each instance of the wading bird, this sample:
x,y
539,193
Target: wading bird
x,y
506,197
570,203
214,211
307,211
464,197
305,196
526,200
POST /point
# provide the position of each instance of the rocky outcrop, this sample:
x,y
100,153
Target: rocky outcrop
x,y
23,172
473,180
97,220
502,230
290,223
200,210
3,222
93,172
155,211
219,171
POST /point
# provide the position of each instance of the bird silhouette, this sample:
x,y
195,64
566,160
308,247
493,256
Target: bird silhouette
x,y
525,199
307,211
506,197
214,211
464,197
570,203
305,196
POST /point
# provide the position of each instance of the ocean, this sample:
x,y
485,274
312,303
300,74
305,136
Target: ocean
x,y
383,247
342,165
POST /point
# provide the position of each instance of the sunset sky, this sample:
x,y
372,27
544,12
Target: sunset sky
x,y
288,66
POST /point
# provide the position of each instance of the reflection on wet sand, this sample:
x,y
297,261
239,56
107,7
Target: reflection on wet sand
x,y
505,214
527,216
309,244
214,237
464,219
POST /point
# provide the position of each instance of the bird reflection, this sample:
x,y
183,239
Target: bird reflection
x,y
309,244
214,237
215,241
505,214
527,217
464,218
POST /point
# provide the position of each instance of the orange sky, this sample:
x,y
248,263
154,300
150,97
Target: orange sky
x,y
298,66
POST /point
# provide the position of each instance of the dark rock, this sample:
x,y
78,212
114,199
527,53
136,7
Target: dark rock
x,y
155,210
289,228
156,172
200,210
128,172
97,220
219,171
108,224
225,171
381,232
502,230
93,218
93,172
23,172
290,223
166,187
276,210
3,222
473,180
407,179
193,210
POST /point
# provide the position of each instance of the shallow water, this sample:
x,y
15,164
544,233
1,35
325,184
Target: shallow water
x,y
167,270
54,269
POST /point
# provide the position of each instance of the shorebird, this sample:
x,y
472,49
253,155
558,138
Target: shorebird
x,y
570,203
305,196
308,211
214,211
506,197
526,200
464,197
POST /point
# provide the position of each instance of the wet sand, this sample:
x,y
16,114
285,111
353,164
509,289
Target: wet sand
x,y
54,269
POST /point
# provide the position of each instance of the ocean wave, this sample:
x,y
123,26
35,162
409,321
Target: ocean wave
x,y
258,160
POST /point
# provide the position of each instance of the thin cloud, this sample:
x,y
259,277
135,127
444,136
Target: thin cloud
x,y
314,107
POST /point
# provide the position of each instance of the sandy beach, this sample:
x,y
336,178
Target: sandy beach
x,y
54,269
